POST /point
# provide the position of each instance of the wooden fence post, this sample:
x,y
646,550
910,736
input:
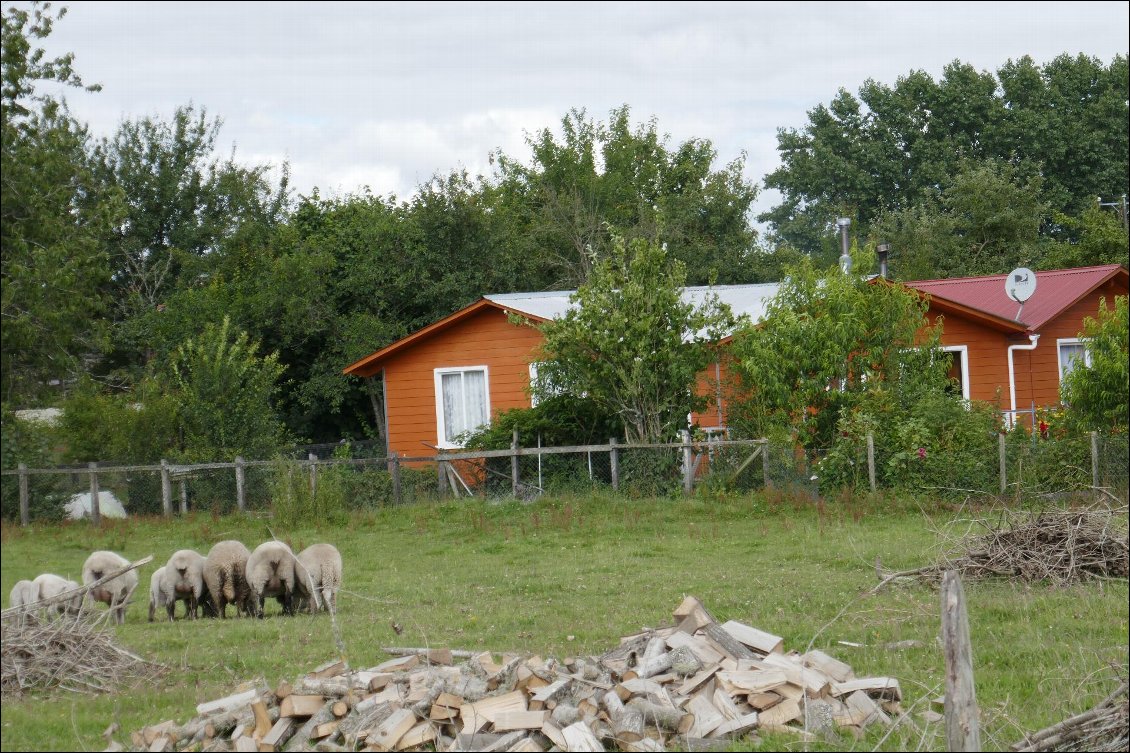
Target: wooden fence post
x,y
240,493
394,471
184,496
313,474
95,507
765,464
514,464
25,506
441,474
963,731
1002,448
871,461
1095,479
166,490
614,463
688,467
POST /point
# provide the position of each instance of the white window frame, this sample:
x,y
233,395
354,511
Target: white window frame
x,y
963,351
1059,343
441,424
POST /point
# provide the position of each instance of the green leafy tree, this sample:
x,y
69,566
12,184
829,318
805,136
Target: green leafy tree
x,y
54,219
1099,393
631,344
225,392
827,340
891,147
1098,237
600,175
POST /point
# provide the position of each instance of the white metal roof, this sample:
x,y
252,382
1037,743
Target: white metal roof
x,y
750,300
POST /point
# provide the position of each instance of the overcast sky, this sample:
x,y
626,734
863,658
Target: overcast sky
x,y
387,94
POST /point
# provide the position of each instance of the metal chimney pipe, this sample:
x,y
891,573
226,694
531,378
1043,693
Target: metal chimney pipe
x,y
845,258
883,249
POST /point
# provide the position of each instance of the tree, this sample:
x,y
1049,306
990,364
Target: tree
x,y
986,219
828,339
225,392
892,146
631,344
598,176
55,219
1098,393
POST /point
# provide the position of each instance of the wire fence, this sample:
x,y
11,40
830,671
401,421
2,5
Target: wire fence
x,y
1015,465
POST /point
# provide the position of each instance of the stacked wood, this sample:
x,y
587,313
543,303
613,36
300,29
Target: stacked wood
x,y
697,684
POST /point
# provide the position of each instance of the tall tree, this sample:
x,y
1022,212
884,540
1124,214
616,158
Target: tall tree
x,y
860,157
55,218
597,176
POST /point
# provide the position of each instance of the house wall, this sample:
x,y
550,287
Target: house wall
x,y
484,339
1037,371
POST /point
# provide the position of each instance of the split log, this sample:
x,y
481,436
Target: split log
x,y
670,719
778,716
737,726
263,720
424,732
278,735
758,640
306,731
693,609
301,705
833,668
508,721
578,737
329,669
706,717
876,687
726,643
387,734
227,703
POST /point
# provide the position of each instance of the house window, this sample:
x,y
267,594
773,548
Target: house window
x,y
1072,352
958,369
462,402
547,388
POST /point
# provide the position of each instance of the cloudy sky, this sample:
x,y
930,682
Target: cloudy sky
x,y
387,94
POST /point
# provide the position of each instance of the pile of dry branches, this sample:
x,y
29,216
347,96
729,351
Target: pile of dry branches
x,y
1061,546
72,652
1106,727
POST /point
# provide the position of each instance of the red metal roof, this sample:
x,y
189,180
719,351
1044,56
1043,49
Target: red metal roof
x,y
1056,291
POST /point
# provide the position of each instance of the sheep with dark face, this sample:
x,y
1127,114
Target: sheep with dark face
x,y
183,581
225,576
49,585
270,572
117,592
317,577
24,592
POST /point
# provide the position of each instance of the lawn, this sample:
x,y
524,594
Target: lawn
x,y
570,576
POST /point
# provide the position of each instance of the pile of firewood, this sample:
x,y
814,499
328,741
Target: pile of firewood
x,y
695,685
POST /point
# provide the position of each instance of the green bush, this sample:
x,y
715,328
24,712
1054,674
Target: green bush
x,y
295,506
31,444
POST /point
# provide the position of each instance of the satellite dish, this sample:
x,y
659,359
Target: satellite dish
x,y
1020,284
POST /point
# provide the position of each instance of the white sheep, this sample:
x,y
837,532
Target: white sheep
x,y
183,580
270,572
117,592
156,595
318,577
24,592
225,575
50,585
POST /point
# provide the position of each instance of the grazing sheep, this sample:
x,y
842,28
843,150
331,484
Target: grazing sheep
x,y
317,577
225,576
183,581
50,585
24,592
117,592
156,595
270,572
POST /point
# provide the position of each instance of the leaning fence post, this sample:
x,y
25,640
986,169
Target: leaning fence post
x,y
166,490
614,463
514,463
95,507
1095,459
240,494
394,471
1002,447
962,725
25,515
871,460
688,468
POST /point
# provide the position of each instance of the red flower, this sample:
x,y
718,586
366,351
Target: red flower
x,y
921,453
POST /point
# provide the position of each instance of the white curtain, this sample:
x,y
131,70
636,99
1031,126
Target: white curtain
x,y
1071,354
464,402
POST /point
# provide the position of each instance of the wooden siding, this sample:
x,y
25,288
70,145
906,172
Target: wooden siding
x,y
486,338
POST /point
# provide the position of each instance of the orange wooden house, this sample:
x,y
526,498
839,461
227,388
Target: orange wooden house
x,y
454,375
1017,356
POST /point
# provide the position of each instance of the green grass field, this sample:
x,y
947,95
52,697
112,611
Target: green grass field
x,y
570,576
